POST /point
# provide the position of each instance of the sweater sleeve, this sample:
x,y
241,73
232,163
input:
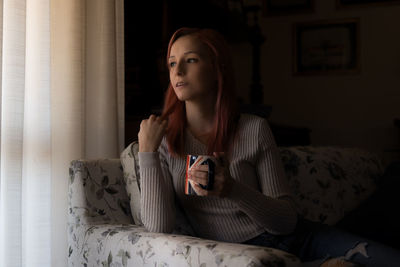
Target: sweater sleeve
x,y
272,208
157,194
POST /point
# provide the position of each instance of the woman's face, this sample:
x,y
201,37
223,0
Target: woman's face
x,y
191,70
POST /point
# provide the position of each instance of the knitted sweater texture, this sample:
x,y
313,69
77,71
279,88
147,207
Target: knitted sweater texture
x,y
259,201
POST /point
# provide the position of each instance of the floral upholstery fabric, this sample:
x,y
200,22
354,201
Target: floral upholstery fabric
x,y
101,231
97,193
130,166
329,182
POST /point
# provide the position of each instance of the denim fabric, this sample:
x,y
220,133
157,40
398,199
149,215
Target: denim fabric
x,y
316,242
376,218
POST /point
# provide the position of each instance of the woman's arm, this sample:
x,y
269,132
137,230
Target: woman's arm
x,y
157,194
273,207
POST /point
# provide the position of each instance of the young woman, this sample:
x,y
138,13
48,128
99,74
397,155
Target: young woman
x,y
250,201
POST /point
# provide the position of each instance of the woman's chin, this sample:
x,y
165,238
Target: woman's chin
x,y
183,97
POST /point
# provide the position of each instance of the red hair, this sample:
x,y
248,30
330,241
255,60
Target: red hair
x,y
221,137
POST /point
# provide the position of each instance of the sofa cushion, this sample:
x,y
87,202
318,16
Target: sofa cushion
x,y
329,182
130,166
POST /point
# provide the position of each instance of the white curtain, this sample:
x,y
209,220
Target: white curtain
x,y
61,98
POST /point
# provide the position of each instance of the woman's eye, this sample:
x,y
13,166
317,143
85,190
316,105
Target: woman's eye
x,y
172,64
192,60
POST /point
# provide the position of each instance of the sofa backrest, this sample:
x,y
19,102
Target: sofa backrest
x,y
329,182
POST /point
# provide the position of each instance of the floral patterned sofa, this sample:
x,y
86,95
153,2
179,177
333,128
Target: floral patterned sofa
x,y
328,182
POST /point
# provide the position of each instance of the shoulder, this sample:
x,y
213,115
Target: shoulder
x,y
255,130
250,117
251,123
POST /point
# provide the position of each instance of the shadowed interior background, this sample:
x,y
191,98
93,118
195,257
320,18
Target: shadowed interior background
x,y
352,110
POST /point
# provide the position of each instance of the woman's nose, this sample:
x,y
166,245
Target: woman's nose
x,y
180,69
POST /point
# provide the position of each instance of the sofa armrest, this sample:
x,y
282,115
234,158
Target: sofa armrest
x,y
97,193
132,245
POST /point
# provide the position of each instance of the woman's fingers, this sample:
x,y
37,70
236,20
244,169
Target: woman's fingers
x,y
222,158
200,191
204,192
151,132
199,176
222,180
163,125
203,168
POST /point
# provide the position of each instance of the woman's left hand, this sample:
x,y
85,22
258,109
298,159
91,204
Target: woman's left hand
x,y
223,181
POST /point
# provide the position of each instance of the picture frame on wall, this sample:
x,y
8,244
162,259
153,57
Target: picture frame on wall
x,y
360,3
286,7
326,47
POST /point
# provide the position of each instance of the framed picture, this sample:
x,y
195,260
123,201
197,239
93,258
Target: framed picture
x,y
286,7
358,3
326,47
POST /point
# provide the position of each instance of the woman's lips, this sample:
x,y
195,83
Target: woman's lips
x,y
180,84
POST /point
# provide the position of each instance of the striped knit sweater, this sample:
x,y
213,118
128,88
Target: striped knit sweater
x,y
259,201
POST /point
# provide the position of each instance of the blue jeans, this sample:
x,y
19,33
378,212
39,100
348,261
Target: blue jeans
x,y
316,242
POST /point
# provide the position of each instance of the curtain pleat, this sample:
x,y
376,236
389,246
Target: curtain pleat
x,y
25,134
12,121
36,155
120,58
67,111
62,98
103,85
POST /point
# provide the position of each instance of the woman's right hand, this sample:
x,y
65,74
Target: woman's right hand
x,y
151,133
